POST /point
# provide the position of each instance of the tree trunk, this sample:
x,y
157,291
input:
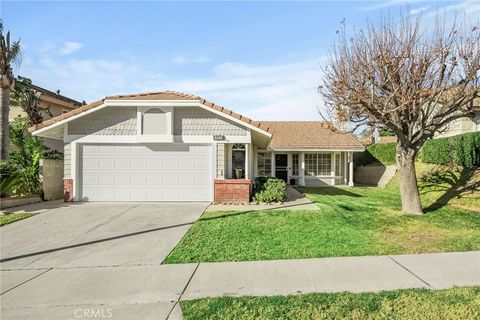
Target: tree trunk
x,y
411,203
4,111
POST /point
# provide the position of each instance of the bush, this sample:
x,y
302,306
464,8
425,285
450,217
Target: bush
x,y
25,154
269,190
383,153
7,178
386,133
462,150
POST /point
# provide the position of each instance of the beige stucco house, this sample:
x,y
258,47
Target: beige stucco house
x,y
171,146
460,126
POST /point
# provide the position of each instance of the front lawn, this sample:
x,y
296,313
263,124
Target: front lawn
x,y
456,303
350,222
12,217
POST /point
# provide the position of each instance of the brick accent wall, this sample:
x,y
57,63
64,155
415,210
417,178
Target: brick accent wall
x,y
68,190
233,190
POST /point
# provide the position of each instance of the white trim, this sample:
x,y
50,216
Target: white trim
x,y
307,150
240,122
153,139
322,177
139,121
247,161
350,169
74,170
209,139
214,170
151,103
302,168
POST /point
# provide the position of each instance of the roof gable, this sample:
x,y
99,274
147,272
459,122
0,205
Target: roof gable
x,y
163,95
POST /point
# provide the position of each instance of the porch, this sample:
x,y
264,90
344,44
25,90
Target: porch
x,y
237,164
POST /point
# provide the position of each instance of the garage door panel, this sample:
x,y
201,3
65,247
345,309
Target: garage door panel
x,y
146,173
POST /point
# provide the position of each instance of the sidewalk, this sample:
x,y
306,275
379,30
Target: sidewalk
x,y
154,291
355,274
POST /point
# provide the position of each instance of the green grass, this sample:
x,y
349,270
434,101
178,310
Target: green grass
x,y
455,303
350,222
12,217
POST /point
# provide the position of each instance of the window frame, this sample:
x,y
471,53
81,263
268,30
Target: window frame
x,y
318,161
265,158
295,164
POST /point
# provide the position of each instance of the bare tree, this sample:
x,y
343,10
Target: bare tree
x,y
407,79
9,53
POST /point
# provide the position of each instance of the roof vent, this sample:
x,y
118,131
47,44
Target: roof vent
x,y
58,92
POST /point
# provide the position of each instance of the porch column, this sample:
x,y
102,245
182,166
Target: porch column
x,y
272,159
247,161
345,167
302,169
332,167
350,169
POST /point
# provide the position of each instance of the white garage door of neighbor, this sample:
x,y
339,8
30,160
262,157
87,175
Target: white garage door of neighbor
x,y
146,173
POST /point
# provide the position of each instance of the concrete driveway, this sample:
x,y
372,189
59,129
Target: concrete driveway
x,y
79,260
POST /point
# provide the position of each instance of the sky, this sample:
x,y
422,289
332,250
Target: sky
x,y
260,59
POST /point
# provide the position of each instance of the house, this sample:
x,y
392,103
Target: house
x,y
460,126
172,146
57,105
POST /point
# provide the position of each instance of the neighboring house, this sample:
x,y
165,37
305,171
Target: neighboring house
x,y
171,146
57,105
460,126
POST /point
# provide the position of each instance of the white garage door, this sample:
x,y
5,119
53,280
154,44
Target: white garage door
x,y
146,173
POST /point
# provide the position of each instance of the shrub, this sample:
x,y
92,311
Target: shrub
x,y
7,178
269,190
436,151
462,150
383,153
25,154
386,133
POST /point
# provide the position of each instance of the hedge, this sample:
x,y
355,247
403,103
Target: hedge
x,y
383,153
462,150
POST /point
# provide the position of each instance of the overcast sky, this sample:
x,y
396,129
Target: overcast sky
x,y
259,59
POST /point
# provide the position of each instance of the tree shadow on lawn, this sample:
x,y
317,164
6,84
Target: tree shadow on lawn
x,y
329,191
454,183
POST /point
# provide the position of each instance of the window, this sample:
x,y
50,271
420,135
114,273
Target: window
x,y
318,164
295,163
337,164
324,164
311,164
264,164
238,160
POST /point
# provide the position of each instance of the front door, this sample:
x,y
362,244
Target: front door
x,y
281,167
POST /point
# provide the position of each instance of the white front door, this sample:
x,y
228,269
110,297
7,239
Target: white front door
x,y
150,172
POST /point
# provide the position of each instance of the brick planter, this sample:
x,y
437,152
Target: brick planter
x,y
233,191
68,190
